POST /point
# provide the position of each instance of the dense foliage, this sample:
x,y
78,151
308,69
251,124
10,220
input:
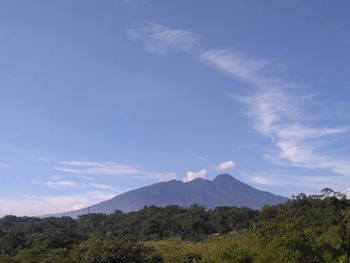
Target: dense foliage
x,y
313,228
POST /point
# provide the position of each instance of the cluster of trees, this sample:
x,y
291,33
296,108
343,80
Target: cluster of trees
x,y
46,239
312,228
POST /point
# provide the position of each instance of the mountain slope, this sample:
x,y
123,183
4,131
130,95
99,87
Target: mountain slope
x,y
224,190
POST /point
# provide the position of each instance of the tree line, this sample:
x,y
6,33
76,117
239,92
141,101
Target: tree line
x,y
308,228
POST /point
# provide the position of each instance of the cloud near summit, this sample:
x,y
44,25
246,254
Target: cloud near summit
x,y
194,175
225,166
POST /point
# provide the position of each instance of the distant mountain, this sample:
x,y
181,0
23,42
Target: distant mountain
x,y
224,190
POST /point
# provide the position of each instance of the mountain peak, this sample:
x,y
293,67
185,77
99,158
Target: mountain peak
x,y
224,176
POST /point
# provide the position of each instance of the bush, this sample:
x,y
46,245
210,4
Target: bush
x,y
115,249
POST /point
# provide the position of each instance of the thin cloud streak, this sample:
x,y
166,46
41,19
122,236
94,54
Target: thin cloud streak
x,y
4,165
278,115
101,186
98,168
242,68
60,184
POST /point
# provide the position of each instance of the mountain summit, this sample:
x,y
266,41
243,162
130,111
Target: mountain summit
x,y
224,190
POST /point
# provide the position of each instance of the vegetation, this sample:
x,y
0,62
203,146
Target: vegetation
x,y
312,228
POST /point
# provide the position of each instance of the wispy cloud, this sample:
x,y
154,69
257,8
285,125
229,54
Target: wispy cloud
x,y
194,175
39,205
276,111
225,166
279,115
86,170
159,39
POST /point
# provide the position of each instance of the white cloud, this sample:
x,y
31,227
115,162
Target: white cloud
x,y
60,184
40,205
194,175
226,166
159,39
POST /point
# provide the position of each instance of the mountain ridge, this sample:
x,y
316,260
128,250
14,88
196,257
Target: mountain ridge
x,y
223,190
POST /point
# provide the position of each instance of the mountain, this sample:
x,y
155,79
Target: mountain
x,y
224,190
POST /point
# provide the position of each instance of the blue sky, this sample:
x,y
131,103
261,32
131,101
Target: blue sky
x,y
100,97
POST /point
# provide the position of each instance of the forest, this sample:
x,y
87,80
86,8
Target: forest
x,y
308,228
